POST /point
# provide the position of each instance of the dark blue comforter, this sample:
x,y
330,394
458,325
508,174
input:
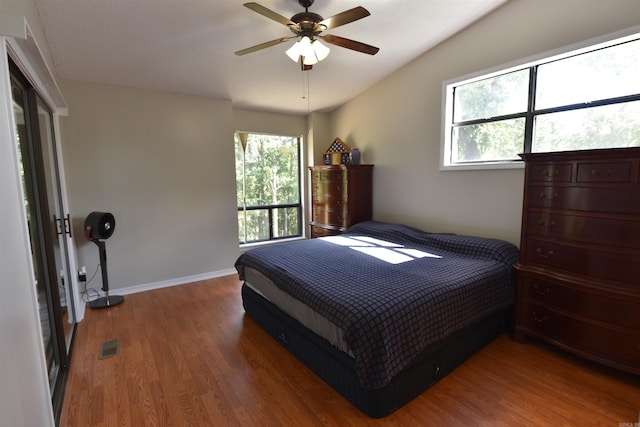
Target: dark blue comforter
x,y
390,312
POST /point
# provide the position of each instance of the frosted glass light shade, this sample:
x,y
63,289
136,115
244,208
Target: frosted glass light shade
x,y
294,52
320,50
311,52
309,59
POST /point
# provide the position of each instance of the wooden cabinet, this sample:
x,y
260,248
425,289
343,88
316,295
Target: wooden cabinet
x,y
341,195
579,268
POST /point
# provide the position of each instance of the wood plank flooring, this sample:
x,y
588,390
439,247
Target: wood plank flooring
x,y
190,357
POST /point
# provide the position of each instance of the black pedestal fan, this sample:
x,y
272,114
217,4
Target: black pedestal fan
x,y
98,227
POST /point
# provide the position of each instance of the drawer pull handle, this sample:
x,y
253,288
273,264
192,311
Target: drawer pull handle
x,y
538,318
549,254
543,224
548,197
601,173
540,290
550,173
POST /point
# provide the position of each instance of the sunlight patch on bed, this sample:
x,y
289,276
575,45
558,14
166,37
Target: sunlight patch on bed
x,y
390,252
344,241
385,254
418,253
377,242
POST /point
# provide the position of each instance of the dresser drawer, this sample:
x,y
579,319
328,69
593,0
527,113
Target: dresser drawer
x,y
616,345
587,261
317,231
604,172
328,175
329,199
589,199
334,188
612,308
623,232
329,216
550,172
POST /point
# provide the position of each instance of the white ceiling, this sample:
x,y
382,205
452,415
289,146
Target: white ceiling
x,y
187,46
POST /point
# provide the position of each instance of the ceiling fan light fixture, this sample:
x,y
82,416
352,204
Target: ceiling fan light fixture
x,y
294,52
321,51
311,52
308,26
309,60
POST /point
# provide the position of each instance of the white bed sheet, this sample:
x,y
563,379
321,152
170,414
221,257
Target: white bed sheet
x,y
296,309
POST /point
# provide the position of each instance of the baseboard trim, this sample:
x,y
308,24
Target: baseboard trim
x,y
172,282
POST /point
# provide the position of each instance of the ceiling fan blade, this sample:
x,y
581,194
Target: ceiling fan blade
x,y
268,13
263,45
345,17
350,44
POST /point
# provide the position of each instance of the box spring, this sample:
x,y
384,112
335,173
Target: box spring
x,y
337,368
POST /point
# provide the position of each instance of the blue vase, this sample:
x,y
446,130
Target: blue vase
x,y
355,156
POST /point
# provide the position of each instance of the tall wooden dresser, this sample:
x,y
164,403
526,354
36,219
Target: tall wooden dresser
x,y
579,269
341,195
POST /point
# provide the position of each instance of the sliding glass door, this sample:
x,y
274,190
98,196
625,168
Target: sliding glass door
x,y
48,229
60,222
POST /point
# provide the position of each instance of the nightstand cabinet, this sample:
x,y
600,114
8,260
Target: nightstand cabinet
x,y
579,268
341,195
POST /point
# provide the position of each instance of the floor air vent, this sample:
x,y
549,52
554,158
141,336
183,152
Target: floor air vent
x,y
109,348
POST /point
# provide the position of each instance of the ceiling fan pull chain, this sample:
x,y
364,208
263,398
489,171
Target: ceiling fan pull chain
x,y
308,92
303,84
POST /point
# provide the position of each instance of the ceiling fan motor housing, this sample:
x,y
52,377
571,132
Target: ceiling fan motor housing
x,y
308,24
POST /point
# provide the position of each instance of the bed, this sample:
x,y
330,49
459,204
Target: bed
x,y
382,311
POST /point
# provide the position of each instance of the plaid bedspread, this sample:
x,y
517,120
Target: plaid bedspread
x,y
391,301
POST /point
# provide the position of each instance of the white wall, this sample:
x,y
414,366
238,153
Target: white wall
x,y
269,123
320,136
24,394
396,123
24,390
163,164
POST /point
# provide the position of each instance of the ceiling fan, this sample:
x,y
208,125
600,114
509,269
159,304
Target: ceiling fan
x,y
308,26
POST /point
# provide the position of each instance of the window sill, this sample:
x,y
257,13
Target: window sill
x,y
516,164
248,246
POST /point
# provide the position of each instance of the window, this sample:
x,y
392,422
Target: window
x,y
578,100
268,187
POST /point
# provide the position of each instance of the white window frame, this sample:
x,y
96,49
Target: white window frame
x,y
548,56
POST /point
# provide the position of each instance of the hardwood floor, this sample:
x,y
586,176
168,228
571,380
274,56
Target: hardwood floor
x,y
190,357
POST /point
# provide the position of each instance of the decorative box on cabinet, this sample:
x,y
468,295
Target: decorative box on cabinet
x,y
341,195
579,268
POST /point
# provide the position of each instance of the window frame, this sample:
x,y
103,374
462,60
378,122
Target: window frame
x,y
531,63
271,207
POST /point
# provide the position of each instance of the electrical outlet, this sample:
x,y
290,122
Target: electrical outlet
x,y
82,274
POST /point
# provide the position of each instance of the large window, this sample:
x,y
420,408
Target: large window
x,y
578,100
268,187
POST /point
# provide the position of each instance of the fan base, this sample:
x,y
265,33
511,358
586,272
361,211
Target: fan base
x,y
106,302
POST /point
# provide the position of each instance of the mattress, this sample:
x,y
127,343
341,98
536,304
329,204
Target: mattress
x,y
338,370
384,313
304,314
